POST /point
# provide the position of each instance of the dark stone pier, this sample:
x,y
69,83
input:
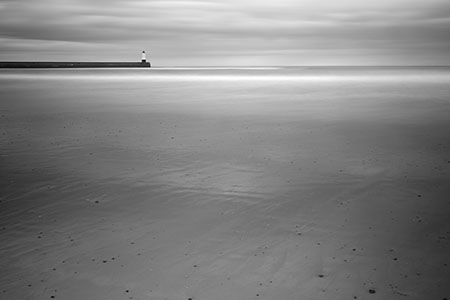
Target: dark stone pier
x,y
27,65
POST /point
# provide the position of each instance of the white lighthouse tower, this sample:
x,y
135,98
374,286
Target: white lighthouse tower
x,y
144,59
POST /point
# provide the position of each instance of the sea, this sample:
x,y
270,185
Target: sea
x,y
50,117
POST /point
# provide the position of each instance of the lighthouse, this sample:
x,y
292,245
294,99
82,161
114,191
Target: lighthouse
x,y
144,59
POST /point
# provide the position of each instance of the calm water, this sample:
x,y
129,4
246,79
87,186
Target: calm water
x,y
40,105
257,118
238,74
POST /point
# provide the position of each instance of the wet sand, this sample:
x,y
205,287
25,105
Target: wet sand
x,y
191,190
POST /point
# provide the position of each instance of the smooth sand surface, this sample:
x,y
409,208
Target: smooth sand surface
x,y
211,191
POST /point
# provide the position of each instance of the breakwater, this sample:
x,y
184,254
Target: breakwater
x,y
27,65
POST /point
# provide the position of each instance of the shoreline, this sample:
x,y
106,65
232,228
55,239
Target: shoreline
x,y
32,65
140,186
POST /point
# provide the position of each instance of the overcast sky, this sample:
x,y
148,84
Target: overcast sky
x,y
228,32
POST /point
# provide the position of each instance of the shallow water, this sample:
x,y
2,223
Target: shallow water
x,y
357,158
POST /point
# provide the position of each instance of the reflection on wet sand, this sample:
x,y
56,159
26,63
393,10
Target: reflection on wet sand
x,y
154,189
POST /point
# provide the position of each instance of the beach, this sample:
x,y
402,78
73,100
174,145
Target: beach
x,y
283,183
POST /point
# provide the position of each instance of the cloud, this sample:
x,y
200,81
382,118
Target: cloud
x,y
193,28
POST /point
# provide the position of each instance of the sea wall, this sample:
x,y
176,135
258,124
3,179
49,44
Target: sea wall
x,y
23,64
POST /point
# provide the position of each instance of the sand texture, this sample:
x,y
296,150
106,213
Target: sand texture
x,y
224,190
